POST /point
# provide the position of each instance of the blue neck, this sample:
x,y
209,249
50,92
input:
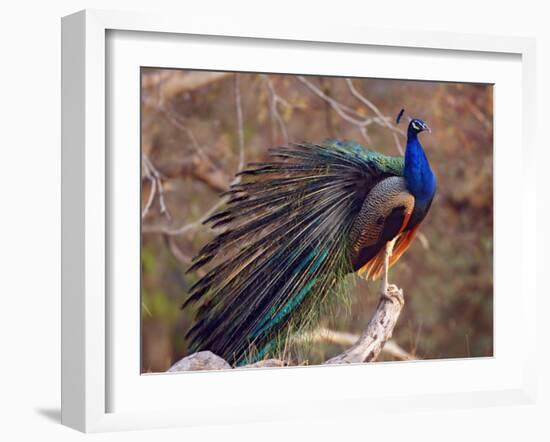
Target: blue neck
x,y
417,172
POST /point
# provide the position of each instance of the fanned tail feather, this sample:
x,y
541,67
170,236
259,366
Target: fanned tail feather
x,y
283,250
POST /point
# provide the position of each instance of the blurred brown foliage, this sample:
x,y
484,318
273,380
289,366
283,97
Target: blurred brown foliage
x,y
192,139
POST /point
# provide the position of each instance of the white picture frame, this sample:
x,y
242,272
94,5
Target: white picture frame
x,y
94,322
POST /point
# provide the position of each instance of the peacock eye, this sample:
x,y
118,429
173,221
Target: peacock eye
x,y
415,125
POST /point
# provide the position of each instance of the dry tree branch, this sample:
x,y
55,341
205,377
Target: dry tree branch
x,y
393,349
240,127
382,120
177,122
185,227
423,240
348,339
196,167
366,349
199,166
176,251
379,330
274,100
153,175
179,254
341,109
152,193
197,148
352,116
174,84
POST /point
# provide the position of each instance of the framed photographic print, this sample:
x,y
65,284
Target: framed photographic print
x,y
252,213
268,284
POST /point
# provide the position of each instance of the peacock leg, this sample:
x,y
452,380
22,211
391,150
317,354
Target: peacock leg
x,y
388,250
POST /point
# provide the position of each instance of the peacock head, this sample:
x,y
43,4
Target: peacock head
x,y
417,125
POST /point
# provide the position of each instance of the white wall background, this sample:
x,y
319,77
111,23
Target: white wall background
x,y
30,215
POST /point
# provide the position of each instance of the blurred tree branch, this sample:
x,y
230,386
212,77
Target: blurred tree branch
x,y
385,120
196,167
322,334
169,84
154,177
351,115
240,125
274,101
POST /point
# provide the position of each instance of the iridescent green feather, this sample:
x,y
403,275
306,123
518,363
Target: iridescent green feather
x,y
385,163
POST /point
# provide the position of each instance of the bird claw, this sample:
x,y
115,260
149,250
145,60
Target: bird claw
x,y
393,293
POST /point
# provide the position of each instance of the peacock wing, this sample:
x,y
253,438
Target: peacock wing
x,y
386,212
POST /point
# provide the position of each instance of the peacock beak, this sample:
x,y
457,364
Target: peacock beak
x,y
427,128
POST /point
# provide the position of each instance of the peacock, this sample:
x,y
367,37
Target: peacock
x,y
291,232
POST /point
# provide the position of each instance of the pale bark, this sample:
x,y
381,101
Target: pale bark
x,y
379,330
202,360
366,348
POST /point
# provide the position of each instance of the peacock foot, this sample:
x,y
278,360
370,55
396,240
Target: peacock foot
x,y
393,293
